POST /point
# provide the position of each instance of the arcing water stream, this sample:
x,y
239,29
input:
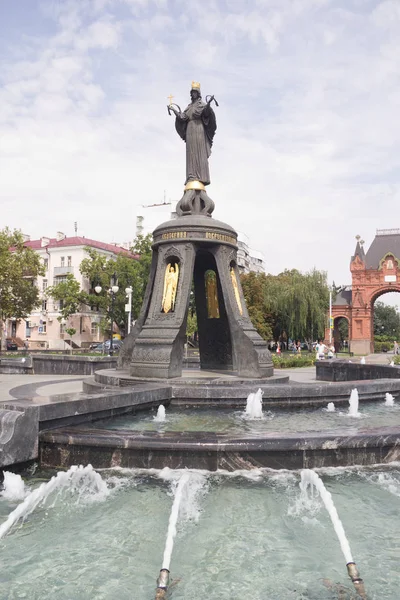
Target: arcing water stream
x,y
311,478
74,478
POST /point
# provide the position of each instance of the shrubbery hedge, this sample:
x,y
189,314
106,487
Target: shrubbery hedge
x,y
287,362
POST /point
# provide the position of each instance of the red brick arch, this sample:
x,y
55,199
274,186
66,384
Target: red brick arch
x,y
374,273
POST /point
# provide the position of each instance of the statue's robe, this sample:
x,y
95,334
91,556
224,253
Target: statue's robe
x,y
196,125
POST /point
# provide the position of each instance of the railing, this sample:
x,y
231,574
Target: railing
x,y
59,271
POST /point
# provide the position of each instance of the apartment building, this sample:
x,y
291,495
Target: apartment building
x,y
61,255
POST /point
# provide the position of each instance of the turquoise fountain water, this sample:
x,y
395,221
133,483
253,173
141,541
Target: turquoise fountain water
x,y
239,535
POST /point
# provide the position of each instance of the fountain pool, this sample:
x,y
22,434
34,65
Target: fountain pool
x,y
237,422
239,535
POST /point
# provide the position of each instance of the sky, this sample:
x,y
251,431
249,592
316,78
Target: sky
x,y
307,150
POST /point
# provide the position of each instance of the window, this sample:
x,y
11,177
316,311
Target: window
x,y
63,261
62,330
44,304
61,304
94,329
43,327
44,284
69,261
61,279
46,263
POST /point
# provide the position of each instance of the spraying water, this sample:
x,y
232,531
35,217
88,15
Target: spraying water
x,y
160,414
76,478
310,479
362,361
14,487
389,399
353,403
330,407
173,521
254,405
392,363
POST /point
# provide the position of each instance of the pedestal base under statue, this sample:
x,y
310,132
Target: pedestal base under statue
x,y
196,253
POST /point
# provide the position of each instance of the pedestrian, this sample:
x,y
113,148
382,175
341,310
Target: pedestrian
x,y
26,345
320,350
395,347
298,347
278,348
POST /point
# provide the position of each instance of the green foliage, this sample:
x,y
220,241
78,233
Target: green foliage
x,y
129,272
255,288
293,361
69,292
70,331
385,346
19,268
386,321
396,359
291,304
191,326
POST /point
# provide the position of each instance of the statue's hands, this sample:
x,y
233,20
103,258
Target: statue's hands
x,y
211,98
171,108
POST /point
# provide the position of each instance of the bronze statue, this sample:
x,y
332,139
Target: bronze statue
x,y
196,125
170,288
210,280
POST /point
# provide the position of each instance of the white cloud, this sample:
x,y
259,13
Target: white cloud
x,y
307,146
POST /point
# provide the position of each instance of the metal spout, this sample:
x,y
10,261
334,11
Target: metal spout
x,y
356,579
162,584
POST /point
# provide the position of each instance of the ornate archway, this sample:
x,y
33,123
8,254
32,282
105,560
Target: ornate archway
x,y
373,273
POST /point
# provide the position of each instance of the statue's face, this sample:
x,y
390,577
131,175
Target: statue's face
x,y
194,94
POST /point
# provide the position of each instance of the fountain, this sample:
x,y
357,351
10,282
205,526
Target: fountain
x,y
74,478
353,403
311,479
362,361
14,487
163,580
254,405
330,407
389,400
160,417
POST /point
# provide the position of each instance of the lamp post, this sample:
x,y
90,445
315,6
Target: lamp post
x,y
112,291
128,306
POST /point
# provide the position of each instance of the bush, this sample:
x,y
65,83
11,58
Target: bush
x,y
287,362
382,346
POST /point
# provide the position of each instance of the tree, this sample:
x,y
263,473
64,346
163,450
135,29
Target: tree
x,y
128,272
386,321
255,288
19,268
291,304
69,295
70,331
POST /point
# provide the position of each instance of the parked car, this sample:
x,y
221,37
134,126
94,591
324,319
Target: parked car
x,y
11,346
105,346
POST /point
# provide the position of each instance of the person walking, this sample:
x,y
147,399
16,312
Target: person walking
x,y
395,347
26,346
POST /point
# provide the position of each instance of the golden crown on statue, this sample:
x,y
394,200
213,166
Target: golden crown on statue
x,y
195,85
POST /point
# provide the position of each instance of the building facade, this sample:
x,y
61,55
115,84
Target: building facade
x,y
249,260
61,255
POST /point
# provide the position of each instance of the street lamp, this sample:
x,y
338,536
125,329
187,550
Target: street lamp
x,y
128,306
112,291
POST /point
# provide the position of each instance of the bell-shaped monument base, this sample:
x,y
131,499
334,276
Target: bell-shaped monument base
x,y
195,249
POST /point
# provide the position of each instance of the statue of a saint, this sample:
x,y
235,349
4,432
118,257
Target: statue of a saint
x,y
236,290
170,288
196,125
210,280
